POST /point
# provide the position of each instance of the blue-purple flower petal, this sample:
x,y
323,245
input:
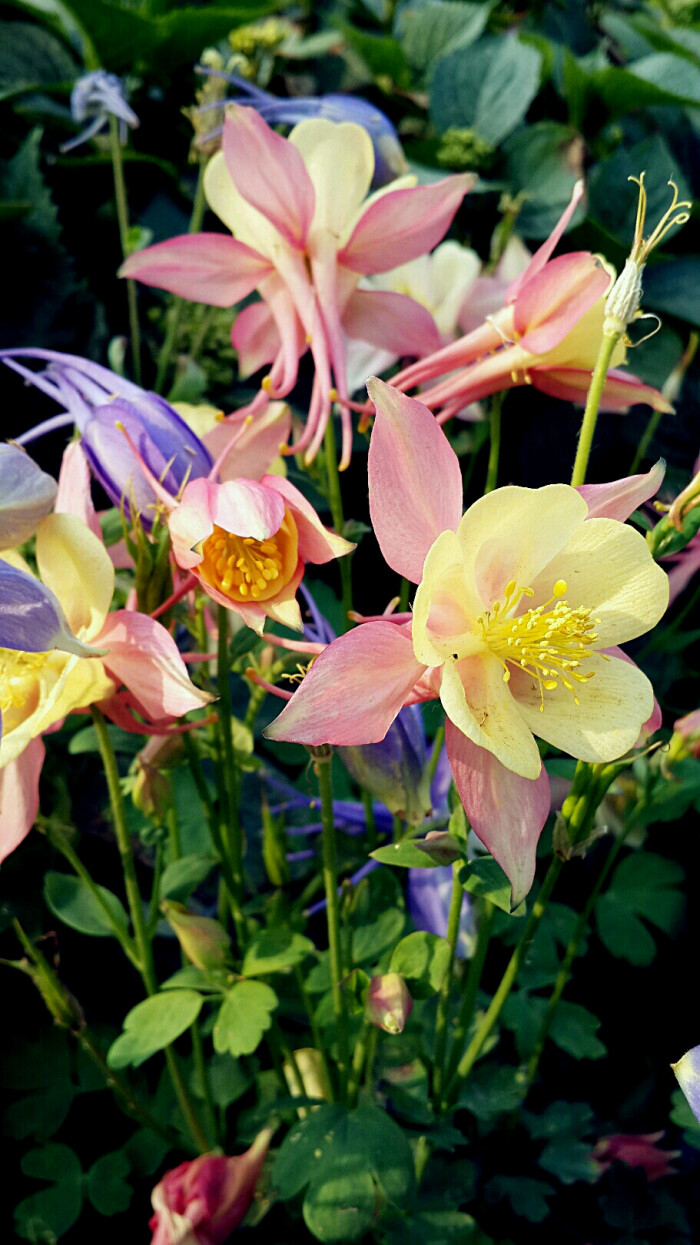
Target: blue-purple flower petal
x,y
26,495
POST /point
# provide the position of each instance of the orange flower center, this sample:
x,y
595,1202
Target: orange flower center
x,y
245,569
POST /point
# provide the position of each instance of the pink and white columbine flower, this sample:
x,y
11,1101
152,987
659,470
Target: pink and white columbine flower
x,y
546,335
304,234
519,607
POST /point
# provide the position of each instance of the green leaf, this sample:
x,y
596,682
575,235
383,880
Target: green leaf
x,y
405,855
145,1151
487,88
85,740
423,959
527,1197
484,877
22,179
106,1185
191,978
31,57
561,1119
381,54
570,1161
492,1090
613,199
437,1227
369,941
153,1024
671,287
39,1115
72,901
429,30
356,1164
574,1029
538,167
48,1214
227,1080
682,1115
183,876
644,886
273,950
245,1015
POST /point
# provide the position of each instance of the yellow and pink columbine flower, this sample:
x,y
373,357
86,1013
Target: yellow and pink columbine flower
x,y
520,605
547,335
304,232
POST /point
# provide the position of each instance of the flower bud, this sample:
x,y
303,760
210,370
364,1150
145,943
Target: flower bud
x,y
313,1075
389,1003
204,1200
394,771
205,943
636,1150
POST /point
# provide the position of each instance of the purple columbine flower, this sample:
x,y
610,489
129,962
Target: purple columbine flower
x,y
26,494
94,98
395,770
389,159
687,1072
95,400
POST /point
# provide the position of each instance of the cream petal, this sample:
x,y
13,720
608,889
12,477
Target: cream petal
x,y
614,705
75,565
245,222
445,608
512,533
608,566
340,162
479,703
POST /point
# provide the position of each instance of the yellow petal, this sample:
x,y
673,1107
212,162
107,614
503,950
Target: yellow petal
x,y
62,683
445,609
512,533
480,704
75,565
608,567
613,707
340,162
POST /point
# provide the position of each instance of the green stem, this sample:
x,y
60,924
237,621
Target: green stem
x,y
232,833
138,920
515,963
436,750
590,414
58,840
646,440
494,442
404,592
441,1019
370,823
567,962
202,1071
471,991
177,304
313,1023
123,218
358,1063
322,766
335,502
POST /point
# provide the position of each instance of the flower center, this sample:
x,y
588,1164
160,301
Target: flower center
x,y
245,569
548,644
17,676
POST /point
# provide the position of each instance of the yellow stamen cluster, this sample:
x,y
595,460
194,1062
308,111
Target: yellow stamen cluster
x,y
245,569
301,672
17,671
548,644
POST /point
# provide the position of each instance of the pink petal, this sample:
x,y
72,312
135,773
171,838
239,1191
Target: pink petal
x,y
73,495
506,812
243,507
269,172
622,390
354,689
551,303
203,267
541,256
144,657
255,338
415,484
392,322
256,446
619,498
403,224
687,564
316,543
19,796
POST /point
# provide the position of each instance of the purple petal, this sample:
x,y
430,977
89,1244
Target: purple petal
x,y
26,494
31,618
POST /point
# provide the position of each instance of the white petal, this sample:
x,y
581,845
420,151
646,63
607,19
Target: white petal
x,y
479,703
340,162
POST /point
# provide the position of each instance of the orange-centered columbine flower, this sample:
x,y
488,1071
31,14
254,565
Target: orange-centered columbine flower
x,y
520,605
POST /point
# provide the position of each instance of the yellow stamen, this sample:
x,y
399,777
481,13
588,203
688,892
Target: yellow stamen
x,y
17,676
548,644
245,569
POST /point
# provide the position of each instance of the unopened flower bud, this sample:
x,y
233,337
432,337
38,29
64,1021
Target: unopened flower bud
x,y
389,1003
204,1200
622,306
205,943
394,771
313,1075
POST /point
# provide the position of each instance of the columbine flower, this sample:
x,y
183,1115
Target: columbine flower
x,y
40,688
389,1003
687,1072
204,1200
304,234
636,1150
389,160
547,335
95,97
519,606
